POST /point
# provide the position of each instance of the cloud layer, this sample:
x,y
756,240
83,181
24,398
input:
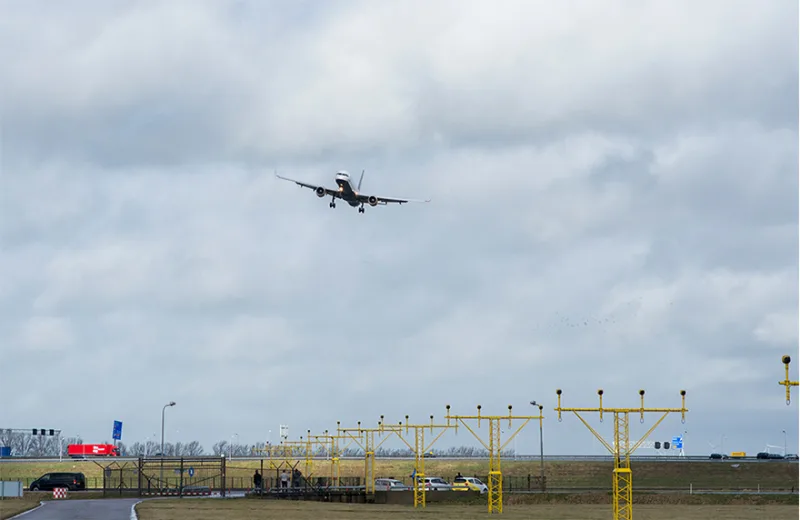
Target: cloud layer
x,y
614,205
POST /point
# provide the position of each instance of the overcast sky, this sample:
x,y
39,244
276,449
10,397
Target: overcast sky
x,y
614,205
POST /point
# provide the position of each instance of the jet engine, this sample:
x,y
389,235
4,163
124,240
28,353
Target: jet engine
x,y
320,192
373,200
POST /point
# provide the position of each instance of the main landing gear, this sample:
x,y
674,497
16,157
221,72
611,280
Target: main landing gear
x,y
333,203
361,209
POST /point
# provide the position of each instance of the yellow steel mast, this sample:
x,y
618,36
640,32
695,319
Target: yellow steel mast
x,y
332,442
305,449
495,447
788,384
419,448
623,477
366,441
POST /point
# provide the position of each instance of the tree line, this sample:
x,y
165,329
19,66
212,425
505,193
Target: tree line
x,y
26,445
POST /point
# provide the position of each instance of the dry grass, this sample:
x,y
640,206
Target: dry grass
x,y
675,475
209,509
13,506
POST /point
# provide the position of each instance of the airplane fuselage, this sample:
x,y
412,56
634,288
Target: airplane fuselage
x,y
346,191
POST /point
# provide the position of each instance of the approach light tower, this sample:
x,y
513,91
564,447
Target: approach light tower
x,y
419,448
623,477
495,447
366,441
331,443
788,384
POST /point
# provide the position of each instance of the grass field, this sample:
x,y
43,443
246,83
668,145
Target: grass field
x,y
286,510
672,475
13,506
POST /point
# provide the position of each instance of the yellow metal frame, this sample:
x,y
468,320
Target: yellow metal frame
x,y
495,447
366,441
306,450
419,448
622,449
332,442
786,382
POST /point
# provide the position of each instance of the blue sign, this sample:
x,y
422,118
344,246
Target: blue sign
x,y
117,433
677,443
191,472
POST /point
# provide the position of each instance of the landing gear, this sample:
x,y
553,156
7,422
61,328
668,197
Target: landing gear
x,y
332,204
361,209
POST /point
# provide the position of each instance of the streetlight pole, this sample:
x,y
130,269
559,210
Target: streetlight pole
x,y
171,403
541,443
784,442
230,447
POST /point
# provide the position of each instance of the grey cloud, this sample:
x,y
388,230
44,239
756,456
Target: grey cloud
x,y
627,227
202,81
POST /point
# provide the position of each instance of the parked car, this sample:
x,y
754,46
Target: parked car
x,y
50,481
792,456
469,484
718,456
390,484
436,484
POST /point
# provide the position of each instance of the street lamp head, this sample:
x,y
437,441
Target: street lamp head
x,y
171,403
533,403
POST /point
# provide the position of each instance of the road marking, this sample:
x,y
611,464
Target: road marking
x,y
28,511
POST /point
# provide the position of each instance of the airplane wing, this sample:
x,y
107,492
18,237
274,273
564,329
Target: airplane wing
x,y
328,191
387,200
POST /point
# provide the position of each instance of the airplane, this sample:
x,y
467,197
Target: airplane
x,y
347,193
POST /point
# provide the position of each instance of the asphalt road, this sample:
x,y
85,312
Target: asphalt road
x,y
105,509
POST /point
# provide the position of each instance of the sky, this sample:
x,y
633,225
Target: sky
x,y
614,204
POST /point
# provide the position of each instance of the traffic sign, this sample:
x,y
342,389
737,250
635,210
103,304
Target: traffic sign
x,y
117,433
677,443
191,472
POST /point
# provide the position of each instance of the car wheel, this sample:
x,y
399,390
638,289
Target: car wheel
x,y
34,488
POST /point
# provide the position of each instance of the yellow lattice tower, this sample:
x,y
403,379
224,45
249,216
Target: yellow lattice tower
x,y
788,384
305,448
282,454
623,477
419,448
332,445
495,447
366,441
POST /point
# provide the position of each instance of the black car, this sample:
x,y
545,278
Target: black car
x,y
50,481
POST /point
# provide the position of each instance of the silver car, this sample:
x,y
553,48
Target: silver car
x,y
390,484
436,484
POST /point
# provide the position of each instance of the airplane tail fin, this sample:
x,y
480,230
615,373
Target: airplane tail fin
x,y
359,180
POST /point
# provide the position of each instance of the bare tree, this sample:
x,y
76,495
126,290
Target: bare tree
x,y
193,449
220,447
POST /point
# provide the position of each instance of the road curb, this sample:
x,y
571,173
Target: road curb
x,y
134,516
41,503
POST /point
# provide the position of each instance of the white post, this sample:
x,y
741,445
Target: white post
x,y
690,488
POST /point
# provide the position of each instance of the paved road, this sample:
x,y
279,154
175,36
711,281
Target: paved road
x,y
105,509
